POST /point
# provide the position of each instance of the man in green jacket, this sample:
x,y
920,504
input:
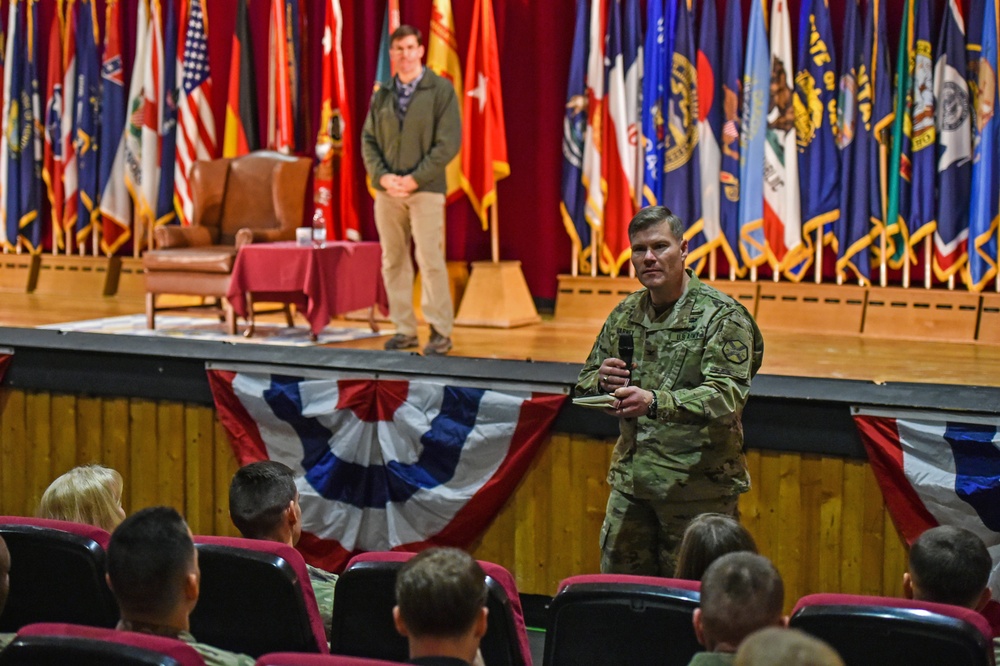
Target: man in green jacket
x,y
679,405
412,131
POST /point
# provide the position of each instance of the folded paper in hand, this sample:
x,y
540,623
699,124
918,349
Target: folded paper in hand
x,y
603,401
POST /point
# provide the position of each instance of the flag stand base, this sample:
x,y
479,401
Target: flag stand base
x,y
497,296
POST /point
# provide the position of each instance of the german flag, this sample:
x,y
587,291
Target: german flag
x,y
241,134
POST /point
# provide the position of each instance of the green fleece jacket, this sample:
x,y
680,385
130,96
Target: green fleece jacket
x,y
421,146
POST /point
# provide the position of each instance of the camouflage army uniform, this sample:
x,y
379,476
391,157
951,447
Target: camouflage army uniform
x,y
323,584
5,640
698,357
214,656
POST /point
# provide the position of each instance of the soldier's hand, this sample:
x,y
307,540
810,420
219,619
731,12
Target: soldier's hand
x,y
408,184
612,375
633,402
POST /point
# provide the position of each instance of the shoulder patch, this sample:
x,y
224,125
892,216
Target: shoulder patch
x,y
735,351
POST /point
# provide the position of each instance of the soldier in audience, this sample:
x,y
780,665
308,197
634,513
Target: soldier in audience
x,y
740,593
153,573
89,494
950,565
708,537
5,639
441,607
774,646
264,504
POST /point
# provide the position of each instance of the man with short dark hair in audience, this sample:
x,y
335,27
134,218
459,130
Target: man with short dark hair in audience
x,y
740,593
5,639
153,573
441,607
950,565
264,504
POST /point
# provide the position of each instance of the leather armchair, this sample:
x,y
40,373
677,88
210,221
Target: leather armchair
x,y
256,198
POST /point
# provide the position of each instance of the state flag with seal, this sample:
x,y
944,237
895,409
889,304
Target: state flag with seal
x,y
386,464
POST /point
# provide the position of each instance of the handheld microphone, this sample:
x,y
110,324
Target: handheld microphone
x,y
626,349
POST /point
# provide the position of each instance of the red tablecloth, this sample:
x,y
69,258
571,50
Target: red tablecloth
x,y
320,281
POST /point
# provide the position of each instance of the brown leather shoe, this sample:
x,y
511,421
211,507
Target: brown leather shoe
x,y
400,341
438,345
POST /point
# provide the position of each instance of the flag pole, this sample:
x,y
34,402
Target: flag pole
x,y
494,232
928,279
818,263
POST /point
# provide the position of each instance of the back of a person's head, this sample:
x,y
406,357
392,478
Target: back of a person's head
x,y
4,573
949,565
149,556
707,537
89,494
440,592
258,497
740,593
774,646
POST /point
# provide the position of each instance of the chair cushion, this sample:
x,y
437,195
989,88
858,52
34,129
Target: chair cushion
x,y
208,259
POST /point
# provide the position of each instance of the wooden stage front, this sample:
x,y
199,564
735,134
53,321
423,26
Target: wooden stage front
x,y
142,405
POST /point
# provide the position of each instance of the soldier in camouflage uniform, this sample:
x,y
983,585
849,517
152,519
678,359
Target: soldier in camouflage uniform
x,y
153,573
680,452
264,504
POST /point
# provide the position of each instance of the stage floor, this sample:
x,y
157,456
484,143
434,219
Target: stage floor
x,y
787,353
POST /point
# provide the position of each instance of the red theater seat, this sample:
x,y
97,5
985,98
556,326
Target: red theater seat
x,y
57,573
362,618
887,630
53,643
255,598
611,618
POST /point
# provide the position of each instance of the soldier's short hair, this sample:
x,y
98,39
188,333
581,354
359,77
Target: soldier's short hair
x,y
708,537
440,593
259,494
740,593
776,646
405,31
149,555
651,216
950,565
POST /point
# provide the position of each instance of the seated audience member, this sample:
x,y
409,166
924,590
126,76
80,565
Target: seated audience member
x,y
5,639
707,537
264,504
950,565
90,494
785,647
740,593
153,573
441,607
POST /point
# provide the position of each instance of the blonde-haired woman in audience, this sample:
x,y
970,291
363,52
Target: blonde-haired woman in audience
x,y
708,537
90,494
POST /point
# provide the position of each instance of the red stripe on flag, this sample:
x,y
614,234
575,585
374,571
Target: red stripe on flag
x,y
880,436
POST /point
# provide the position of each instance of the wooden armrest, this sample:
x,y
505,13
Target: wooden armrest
x,y
174,237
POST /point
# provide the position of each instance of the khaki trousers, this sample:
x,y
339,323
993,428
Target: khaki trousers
x,y
420,218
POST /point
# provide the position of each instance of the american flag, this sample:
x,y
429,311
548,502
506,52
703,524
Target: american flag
x,y
195,122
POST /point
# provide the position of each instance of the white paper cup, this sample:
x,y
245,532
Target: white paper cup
x,y
303,236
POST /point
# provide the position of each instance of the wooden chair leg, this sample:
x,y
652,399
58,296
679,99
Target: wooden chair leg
x,y
289,319
150,310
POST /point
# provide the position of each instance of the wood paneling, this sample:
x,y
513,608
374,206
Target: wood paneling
x,y
821,519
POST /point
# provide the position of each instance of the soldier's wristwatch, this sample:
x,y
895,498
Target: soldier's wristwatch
x,y
651,411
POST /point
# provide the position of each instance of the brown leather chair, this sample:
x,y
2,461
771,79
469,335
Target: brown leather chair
x,y
255,198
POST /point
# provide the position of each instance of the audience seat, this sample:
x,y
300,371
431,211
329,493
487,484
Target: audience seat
x,y
888,631
51,644
619,619
366,593
300,659
57,574
255,598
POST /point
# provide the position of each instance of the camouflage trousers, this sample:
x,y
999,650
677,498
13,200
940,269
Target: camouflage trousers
x,y
641,536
